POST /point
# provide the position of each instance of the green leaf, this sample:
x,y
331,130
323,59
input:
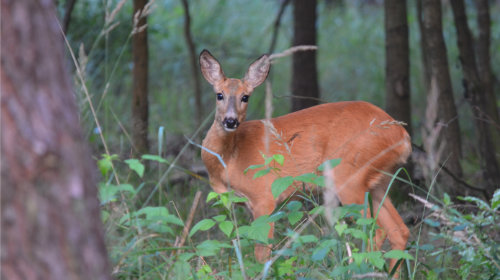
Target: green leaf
x,y
136,165
294,205
210,248
495,200
280,159
480,203
365,221
261,173
446,199
107,192
294,217
259,229
309,238
105,164
306,178
320,181
276,216
204,225
280,185
376,259
154,158
219,218
340,228
332,162
253,167
398,254
212,195
356,233
226,227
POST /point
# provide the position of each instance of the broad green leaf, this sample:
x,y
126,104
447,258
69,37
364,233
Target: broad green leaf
x,y
136,165
219,218
294,205
226,227
295,216
259,229
210,248
309,238
105,164
276,216
319,181
320,253
261,173
204,225
306,178
107,192
356,233
212,195
398,254
340,228
280,185
332,162
280,159
376,259
154,158
480,203
365,221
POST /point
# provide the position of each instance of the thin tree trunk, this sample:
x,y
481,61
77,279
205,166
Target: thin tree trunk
x,y
50,217
70,5
140,107
193,59
397,62
277,23
476,96
484,68
423,42
304,76
439,75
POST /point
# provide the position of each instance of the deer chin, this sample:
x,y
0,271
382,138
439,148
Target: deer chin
x,y
227,129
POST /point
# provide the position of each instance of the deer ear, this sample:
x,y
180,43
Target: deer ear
x,y
257,72
210,68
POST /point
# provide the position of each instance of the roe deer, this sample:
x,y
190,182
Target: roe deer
x,y
368,141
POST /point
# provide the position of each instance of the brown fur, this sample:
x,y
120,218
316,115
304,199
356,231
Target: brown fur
x,y
367,140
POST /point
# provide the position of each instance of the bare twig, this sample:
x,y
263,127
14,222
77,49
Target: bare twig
x,y
189,220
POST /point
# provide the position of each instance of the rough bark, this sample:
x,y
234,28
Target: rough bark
x,y
193,59
437,61
397,62
484,68
140,107
476,96
50,224
305,88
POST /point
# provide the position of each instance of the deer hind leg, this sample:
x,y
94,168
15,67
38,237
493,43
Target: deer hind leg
x,y
260,208
391,223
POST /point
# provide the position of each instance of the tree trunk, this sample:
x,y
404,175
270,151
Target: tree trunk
x,y
397,62
484,68
439,76
193,59
476,96
51,227
140,108
305,89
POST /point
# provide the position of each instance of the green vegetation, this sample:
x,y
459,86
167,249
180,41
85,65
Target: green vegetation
x,y
146,202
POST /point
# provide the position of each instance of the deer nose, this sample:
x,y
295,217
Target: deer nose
x,y
231,123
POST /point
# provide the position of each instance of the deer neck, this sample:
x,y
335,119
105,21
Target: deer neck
x,y
220,141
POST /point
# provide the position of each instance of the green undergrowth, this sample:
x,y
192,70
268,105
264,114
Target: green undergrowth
x,y
144,238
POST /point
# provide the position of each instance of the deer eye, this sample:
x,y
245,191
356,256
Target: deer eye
x,y
245,98
220,96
